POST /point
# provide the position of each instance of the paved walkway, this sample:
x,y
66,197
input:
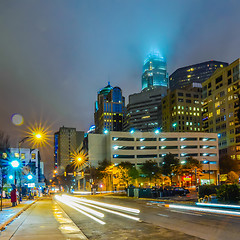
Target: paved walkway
x,y
43,220
9,211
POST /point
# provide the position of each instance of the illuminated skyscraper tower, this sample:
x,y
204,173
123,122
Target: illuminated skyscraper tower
x,y
154,72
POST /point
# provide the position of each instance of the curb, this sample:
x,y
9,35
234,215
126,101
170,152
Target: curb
x,y
3,225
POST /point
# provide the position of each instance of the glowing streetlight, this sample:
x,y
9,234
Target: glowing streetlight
x,y
15,164
11,177
29,177
38,135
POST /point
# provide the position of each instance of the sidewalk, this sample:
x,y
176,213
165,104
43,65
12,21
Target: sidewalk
x,y
42,221
8,212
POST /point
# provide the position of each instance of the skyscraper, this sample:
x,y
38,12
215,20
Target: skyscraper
x,y
66,142
181,110
194,73
221,108
109,109
154,72
142,109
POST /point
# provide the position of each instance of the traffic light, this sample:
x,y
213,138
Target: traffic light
x,y
65,174
74,174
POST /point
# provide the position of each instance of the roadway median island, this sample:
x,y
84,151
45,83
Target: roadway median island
x,y
8,214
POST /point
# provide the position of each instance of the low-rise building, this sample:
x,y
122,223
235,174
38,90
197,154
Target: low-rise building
x,y
30,163
139,147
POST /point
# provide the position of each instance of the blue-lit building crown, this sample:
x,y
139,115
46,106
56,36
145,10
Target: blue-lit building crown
x,y
154,72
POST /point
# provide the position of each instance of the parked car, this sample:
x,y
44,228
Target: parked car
x,y
181,191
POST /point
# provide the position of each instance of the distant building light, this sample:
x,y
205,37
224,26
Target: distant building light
x,y
157,131
132,131
105,131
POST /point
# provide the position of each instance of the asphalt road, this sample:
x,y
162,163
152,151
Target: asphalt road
x,y
156,222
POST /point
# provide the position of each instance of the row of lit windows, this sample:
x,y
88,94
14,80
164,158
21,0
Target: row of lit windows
x,y
164,139
163,147
16,155
187,113
163,155
189,108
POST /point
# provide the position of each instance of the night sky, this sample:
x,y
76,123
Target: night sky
x,y
55,55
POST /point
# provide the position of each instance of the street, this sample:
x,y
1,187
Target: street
x,y
156,221
64,217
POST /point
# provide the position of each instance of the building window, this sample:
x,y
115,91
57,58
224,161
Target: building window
x,y
146,147
4,155
23,156
33,155
147,156
123,156
16,155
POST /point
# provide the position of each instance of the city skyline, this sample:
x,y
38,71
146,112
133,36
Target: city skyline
x,y
55,55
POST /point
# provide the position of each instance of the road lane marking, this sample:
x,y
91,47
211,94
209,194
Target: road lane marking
x,y
195,214
162,215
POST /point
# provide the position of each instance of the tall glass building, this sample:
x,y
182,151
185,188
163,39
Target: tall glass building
x,y
109,109
154,72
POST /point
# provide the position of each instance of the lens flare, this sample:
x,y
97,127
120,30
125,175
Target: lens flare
x,y
17,119
39,135
79,158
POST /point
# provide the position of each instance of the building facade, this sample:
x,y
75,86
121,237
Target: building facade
x,y
181,110
154,72
142,110
30,163
109,109
221,108
138,147
66,142
194,73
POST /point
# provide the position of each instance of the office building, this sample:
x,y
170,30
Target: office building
x,y
221,108
154,72
66,142
109,109
181,110
142,110
194,73
139,147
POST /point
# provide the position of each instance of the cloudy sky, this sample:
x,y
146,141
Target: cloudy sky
x,y
56,54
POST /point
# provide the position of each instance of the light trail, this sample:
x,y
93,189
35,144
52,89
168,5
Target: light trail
x,y
111,211
117,207
203,209
218,205
77,209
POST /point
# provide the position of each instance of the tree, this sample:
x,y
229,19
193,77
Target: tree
x,y
227,164
191,165
127,172
150,169
232,177
170,166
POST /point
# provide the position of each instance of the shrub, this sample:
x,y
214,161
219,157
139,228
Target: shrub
x,y
228,193
207,190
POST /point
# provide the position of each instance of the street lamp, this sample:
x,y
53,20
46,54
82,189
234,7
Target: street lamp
x,y
29,177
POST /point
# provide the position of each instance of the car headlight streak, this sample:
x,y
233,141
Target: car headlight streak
x,y
119,208
203,209
77,204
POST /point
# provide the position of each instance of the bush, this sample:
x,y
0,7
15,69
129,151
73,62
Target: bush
x,y
228,193
207,190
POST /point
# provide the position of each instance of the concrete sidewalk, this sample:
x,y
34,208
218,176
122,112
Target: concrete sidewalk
x,y
9,213
43,220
